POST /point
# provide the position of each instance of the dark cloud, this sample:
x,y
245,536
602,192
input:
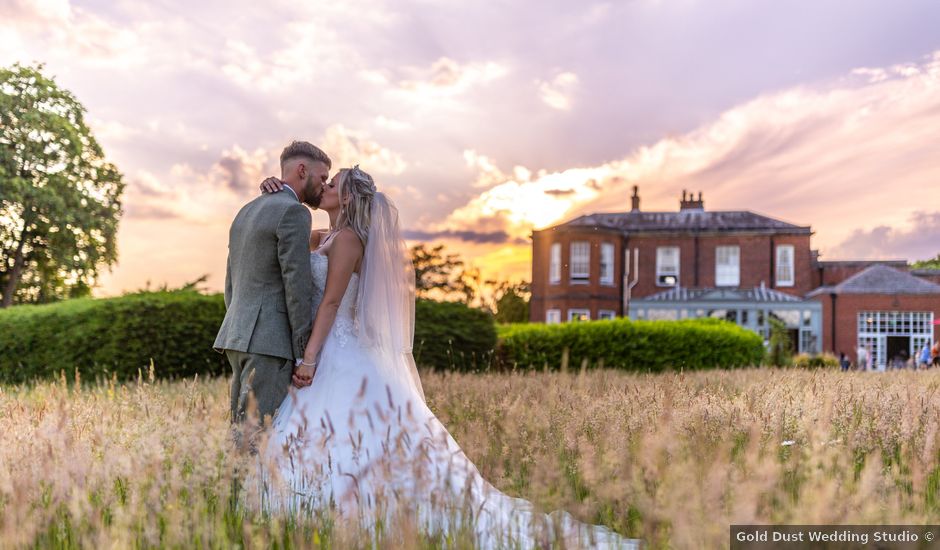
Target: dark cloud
x,y
236,177
479,237
920,242
559,192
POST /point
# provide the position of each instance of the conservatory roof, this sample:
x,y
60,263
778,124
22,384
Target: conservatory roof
x,y
757,294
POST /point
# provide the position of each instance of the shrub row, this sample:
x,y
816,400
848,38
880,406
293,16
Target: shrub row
x,y
176,331
116,335
450,335
819,361
631,345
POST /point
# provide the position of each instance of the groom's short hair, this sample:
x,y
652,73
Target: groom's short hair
x,y
306,150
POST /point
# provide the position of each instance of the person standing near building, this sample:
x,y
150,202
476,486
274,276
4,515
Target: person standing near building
x,y
935,354
924,360
861,358
844,361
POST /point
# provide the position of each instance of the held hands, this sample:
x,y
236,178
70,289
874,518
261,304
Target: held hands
x,y
303,376
271,185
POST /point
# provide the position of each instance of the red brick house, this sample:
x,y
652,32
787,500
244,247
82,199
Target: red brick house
x,y
736,265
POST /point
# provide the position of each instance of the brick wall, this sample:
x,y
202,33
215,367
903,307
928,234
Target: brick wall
x,y
697,261
565,295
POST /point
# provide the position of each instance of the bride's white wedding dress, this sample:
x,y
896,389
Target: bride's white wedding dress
x,y
364,442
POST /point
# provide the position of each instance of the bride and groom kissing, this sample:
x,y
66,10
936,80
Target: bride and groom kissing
x,y
318,330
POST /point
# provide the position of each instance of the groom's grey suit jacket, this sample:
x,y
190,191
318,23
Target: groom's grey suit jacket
x,y
268,284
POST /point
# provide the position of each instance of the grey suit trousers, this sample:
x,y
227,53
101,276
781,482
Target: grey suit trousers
x,y
263,377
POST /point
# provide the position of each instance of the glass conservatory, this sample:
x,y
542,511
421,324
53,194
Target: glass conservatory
x,y
750,308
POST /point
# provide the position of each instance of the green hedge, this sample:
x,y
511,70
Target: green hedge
x,y
631,345
115,335
450,335
819,361
176,330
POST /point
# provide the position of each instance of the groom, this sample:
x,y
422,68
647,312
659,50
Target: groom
x,y
269,287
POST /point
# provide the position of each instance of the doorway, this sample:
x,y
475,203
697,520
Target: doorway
x,y
794,335
899,350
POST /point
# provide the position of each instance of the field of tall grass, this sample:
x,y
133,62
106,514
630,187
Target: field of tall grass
x,y
672,459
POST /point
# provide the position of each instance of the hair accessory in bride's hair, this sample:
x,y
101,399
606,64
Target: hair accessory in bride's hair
x,y
358,175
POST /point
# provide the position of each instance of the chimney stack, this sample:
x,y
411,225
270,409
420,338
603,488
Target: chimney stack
x,y
635,199
689,202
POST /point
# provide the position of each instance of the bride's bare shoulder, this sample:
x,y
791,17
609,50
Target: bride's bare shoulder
x,y
348,239
346,244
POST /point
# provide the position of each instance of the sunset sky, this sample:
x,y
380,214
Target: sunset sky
x,y
485,120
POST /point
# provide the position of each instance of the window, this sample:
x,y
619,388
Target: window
x,y
553,316
579,314
667,266
606,314
789,317
808,342
554,265
785,265
607,264
727,266
580,262
662,314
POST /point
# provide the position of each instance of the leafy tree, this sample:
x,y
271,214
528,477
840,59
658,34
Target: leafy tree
x,y
468,285
445,276
434,270
59,199
780,352
933,263
511,301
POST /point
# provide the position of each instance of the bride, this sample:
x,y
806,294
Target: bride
x,y
360,439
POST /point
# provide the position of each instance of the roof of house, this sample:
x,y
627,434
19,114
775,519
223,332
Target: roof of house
x,y
686,220
758,294
880,279
861,263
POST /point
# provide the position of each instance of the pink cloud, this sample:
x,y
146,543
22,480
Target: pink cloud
x,y
919,239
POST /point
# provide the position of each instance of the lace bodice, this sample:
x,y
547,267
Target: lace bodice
x,y
345,324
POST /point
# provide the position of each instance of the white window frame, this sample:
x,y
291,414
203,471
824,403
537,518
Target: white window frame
x,y
552,316
661,269
579,262
784,281
874,328
606,314
726,273
607,264
554,264
577,312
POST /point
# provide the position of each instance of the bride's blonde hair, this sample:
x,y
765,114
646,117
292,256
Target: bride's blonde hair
x,y
357,213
